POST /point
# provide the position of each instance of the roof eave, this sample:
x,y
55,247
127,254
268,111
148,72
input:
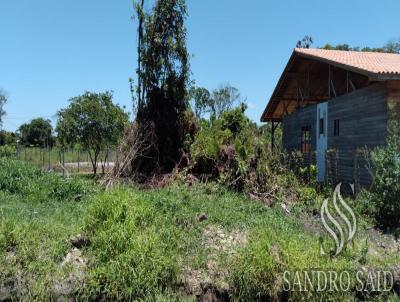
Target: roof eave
x,y
337,64
277,87
385,77
373,76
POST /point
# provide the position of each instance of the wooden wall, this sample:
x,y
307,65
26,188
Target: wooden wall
x,y
362,118
292,124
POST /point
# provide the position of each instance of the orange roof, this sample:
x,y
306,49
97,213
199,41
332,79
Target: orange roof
x,y
364,62
376,66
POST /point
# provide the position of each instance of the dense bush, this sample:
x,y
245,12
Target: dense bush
x,y
7,151
234,120
7,138
385,166
232,129
236,152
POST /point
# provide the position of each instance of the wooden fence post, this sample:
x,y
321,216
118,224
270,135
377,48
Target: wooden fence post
x,y
63,162
108,160
49,152
79,158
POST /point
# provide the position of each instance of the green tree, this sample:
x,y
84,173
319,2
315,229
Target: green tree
x,y
94,122
225,98
6,138
306,42
163,74
3,101
200,100
36,133
392,46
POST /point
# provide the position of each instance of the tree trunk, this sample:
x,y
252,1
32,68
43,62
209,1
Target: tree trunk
x,y
93,160
140,39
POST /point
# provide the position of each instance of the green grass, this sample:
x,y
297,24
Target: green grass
x,y
34,239
151,245
43,157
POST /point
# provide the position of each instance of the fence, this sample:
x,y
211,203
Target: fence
x,y
351,167
66,160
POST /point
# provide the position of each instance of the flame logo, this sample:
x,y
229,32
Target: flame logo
x,y
342,231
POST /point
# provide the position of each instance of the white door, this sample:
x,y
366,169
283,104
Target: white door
x,y
322,139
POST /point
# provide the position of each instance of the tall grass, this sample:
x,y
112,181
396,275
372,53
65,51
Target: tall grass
x,y
144,243
134,248
36,185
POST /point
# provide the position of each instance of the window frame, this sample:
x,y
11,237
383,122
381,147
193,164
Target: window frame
x,y
321,126
336,127
305,141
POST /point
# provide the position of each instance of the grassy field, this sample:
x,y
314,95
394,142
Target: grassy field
x,y
178,243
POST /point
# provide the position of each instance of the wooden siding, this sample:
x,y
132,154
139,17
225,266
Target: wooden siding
x,y
292,124
362,119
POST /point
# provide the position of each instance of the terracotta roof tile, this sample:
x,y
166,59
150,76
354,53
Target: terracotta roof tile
x,y
370,62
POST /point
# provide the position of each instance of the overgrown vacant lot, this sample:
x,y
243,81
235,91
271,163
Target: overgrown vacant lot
x,y
177,243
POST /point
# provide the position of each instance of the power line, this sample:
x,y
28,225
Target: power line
x,y
28,117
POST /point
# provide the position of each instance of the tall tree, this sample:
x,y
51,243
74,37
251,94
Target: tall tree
x,y
94,122
36,133
163,74
3,101
225,98
200,99
141,19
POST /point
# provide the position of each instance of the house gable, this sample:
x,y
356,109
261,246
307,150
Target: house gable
x,y
315,75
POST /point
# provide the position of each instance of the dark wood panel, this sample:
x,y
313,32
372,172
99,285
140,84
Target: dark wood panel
x,y
292,125
362,118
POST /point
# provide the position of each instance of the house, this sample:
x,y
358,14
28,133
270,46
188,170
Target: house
x,y
332,105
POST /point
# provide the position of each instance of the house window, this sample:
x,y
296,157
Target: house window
x,y
336,128
321,126
305,146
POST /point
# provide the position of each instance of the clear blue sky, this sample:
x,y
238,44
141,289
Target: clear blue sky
x,y
51,50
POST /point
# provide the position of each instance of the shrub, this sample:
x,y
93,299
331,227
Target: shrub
x,y
386,187
208,140
234,120
7,138
234,151
7,151
385,166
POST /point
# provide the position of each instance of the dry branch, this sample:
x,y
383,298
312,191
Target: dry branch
x,y
137,141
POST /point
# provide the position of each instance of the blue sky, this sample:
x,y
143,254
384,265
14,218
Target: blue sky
x,y
51,50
